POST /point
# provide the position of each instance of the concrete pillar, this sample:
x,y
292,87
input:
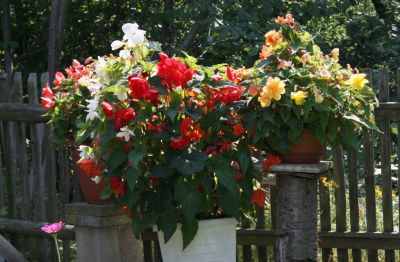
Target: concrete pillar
x,y
102,234
297,210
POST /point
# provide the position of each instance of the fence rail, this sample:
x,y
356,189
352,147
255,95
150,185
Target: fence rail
x,y
358,200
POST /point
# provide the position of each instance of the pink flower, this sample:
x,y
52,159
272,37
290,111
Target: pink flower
x,y
53,228
47,98
58,78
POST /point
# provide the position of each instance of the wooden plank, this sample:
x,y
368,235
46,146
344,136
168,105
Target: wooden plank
x,y
157,252
340,198
22,157
353,199
21,150
257,237
64,175
23,113
369,176
147,251
325,214
398,146
272,194
386,181
388,110
246,249
260,224
369,169
360,240
25,227
36,174
9,253
49,164
2,186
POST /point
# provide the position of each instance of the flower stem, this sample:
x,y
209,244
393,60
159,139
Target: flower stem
x,y
57,249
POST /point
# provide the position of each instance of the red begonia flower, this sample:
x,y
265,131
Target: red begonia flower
x,y
258,197
47,98
173,73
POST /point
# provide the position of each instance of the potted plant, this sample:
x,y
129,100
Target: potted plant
x,y
67,104
170,143
300,99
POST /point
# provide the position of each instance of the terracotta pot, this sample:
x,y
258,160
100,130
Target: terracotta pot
x,y
308,151
91,191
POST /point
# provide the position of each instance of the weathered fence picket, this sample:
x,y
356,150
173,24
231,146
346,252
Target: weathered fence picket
x,y
38,180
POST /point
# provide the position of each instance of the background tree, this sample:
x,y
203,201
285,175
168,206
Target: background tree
x,y
230,31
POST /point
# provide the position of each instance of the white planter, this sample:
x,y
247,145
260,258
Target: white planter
x,y
215,241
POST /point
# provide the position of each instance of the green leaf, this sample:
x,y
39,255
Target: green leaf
x,y
285,114
224,172
190,163
295,135
115,160
188,196
192,203
243,158
356,119
136,156
106,193
230,203
269,116
133,175
161,171
175,102
167,223
189,230
266,62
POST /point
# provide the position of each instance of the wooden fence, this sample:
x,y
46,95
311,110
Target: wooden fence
x,y
359,200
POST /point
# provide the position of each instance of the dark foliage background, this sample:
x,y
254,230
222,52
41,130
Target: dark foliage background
x,y
366,31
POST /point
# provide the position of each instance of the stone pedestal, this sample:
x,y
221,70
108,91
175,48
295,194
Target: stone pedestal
x,y
297,210
102,234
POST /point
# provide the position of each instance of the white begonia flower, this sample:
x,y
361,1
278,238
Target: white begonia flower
x,y
125,133
92,84
117,44
94,87
101,69
97,179
133,34
84,81
84,152
92,108
121,93
125,54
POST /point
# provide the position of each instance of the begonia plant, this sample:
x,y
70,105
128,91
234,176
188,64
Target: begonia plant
x,y
166,137
295,86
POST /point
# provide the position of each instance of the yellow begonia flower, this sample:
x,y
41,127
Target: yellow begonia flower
x,y
319,98
335,54
357,81
264,101
274,88
272,38
299,97
325,74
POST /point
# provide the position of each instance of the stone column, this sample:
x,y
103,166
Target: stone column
x,y
102,234
297,210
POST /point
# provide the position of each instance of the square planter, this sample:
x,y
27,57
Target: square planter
x,y
215,241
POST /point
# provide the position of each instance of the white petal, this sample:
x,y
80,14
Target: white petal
x,y
129,27
96,179
117,44
124,53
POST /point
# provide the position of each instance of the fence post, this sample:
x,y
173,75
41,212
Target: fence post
x,y
102,234
296,209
